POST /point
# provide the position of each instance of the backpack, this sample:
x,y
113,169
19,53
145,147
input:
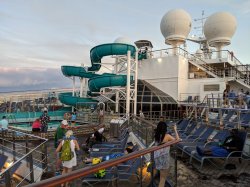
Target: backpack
x,y
102,172
66,153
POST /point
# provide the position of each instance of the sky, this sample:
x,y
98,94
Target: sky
x,y
37,37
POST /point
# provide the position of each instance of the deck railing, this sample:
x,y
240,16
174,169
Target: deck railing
x,y
78,174
26,152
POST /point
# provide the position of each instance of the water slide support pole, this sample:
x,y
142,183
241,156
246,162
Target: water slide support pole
x,y
81,83
74,86
128,84
117,93
81,88
86,86
136,82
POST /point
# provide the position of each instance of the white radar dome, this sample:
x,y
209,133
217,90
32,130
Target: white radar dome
x,y
123,40
175,26
219,29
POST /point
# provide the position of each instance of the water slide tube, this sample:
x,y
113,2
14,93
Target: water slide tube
x,y
96,81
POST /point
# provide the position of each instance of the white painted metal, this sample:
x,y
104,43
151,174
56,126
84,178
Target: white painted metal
x,y
74,86
136,82
117,92
81,87
128,83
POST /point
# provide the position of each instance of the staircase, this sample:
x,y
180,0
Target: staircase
x,y
205,67
240,74
104,97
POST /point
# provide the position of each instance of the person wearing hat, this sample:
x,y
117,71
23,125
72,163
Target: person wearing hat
x,y
60,133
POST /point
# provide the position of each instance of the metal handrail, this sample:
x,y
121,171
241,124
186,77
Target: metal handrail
x,y
23,157
92,169
145,121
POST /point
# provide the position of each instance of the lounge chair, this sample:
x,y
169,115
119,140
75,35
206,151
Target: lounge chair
x,y
197,141
188,130
110,146
3,159
233,154
219,136
120,173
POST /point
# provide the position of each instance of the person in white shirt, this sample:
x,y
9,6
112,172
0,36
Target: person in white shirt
x,y
101,117
141,114
4,123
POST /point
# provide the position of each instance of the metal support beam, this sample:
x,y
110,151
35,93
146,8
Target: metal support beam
x,y
128,83
136,82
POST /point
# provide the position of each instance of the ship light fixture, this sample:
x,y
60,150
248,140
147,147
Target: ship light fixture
x,y
9,163
159,60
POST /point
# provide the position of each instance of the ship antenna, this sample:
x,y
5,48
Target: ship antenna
x,y
201,22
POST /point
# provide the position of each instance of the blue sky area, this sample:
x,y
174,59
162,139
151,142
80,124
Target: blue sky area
x,y
38,36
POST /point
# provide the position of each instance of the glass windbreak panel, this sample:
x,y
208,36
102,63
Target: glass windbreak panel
x,y
139,93
147,93
147,99
155,99
139,98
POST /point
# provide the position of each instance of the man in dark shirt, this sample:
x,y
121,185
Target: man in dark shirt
x,y
44,121
162,122
231,143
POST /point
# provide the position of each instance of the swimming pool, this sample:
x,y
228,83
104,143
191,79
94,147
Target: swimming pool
x,y
28,126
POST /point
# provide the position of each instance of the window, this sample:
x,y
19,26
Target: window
x,y
211,87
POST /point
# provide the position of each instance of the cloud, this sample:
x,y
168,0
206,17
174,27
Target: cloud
x,y
19,79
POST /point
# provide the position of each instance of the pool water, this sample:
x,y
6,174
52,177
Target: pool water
x,y
28,126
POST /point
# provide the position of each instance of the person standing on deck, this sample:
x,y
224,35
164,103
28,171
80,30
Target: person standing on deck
x,y
241,96
162,156
73,119
69,164
4,124
162,123
60,133
44,122
101,116
141,115
36,126
225,97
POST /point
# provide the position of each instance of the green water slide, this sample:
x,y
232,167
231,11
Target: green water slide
x,y
68,99
97,81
